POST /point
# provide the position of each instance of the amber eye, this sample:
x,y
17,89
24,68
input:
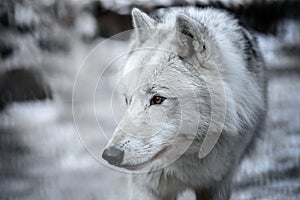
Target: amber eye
x,y
157,100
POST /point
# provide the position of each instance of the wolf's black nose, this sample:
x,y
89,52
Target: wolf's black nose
x,y
113,155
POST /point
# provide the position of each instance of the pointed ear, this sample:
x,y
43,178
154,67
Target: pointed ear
x,y
142,23
194,39
141,19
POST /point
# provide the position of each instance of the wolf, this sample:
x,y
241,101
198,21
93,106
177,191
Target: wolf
x,y
193,78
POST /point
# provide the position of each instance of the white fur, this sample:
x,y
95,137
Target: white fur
x,y
208,93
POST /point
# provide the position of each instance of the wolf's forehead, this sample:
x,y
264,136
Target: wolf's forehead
x,y
145,70
153,51
147,60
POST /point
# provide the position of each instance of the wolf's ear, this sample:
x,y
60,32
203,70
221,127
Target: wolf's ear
x,y
193,38
142,23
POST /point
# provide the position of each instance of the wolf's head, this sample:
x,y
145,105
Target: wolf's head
x,y
169,84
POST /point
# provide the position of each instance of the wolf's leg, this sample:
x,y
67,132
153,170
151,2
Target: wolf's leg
x,y
218,191
212,193
144,193
141,193
170,197
203,193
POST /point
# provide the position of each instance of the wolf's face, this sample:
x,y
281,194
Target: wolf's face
x,y
160,112
163,92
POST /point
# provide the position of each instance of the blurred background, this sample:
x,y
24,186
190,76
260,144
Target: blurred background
x,y
43,47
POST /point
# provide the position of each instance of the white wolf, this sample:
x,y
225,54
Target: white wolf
x,y
190,73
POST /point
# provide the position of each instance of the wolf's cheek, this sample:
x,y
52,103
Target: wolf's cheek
x,y
157,118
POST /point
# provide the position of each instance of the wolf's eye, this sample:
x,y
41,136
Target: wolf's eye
x,y
157,100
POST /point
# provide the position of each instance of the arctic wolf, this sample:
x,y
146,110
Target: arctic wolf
x,y
193,79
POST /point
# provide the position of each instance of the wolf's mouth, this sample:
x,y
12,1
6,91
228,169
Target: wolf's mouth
x,y
143,164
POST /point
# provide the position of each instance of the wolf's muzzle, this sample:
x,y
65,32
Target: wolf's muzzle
x,y
113,155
